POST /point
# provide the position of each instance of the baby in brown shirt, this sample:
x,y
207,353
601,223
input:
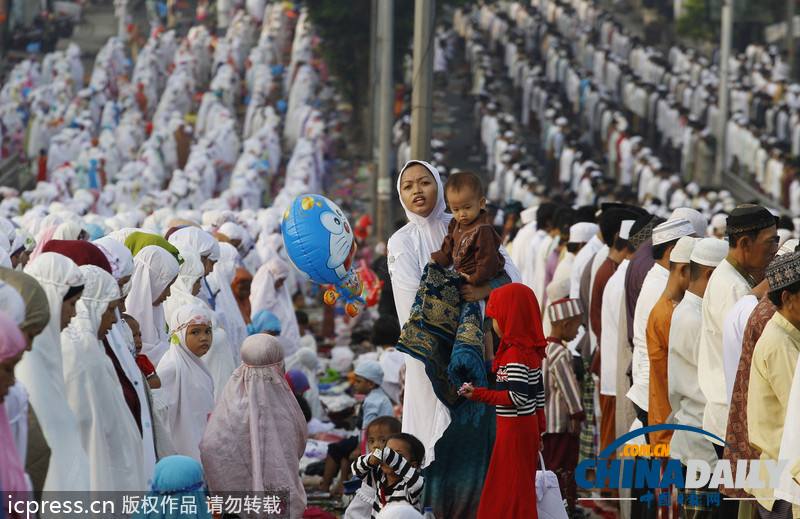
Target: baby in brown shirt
x,y
471,244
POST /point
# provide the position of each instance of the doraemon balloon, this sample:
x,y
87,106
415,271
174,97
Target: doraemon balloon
x,y
319,241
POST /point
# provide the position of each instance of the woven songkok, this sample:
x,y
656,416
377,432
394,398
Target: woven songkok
x,y
783,271
564,309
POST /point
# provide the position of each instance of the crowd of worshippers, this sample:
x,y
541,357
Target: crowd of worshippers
x,y
142,359
680,327
594,109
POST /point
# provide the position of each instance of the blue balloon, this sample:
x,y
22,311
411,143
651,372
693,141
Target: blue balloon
x,y
318,239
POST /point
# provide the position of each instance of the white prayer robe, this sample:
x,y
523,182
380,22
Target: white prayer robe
x,y
609,333
732,337
724,289
108,431
652,287
685,397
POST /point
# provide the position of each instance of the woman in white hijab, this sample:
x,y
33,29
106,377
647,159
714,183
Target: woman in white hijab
x,y
109,433
257,434
226,306
219,358
119,255
154,271
269,291
41,371
186,381
409,251
206,245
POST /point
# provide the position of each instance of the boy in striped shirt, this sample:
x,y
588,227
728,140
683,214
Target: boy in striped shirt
x,y
393,472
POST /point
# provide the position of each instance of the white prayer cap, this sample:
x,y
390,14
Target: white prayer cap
x,y
696,218
622,125
582,232
561,121
558,289
528,215
625,229
709,252
508,134
636,139
672,230
682,252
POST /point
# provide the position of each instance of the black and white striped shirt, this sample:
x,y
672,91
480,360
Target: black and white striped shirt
x,y
408,489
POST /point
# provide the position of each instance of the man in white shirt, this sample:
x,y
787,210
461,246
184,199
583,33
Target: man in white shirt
x,y
685,396
665,236
753,238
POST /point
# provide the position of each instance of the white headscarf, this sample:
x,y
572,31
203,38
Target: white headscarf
x,y
11,303
186,383
109,433
226,306
203,242
219,358
154,269
41,370
122,255
264,295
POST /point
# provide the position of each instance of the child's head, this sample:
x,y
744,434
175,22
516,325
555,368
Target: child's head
x,y
407,446
566,316
136,330
464,194
265,322
368,376
191,329
380,430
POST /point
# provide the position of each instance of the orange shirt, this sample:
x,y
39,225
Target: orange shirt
x,y
657,331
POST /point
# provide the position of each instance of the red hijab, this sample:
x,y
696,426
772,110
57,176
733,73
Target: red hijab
x,y
516,310
79,251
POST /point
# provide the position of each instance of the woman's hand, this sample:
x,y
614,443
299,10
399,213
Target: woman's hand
x,y
474,293
467,392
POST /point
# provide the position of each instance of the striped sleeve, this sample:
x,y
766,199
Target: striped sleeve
x,y
567,385
517,384
410,474
363,470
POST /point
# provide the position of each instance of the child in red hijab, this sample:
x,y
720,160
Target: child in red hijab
x,y
519,397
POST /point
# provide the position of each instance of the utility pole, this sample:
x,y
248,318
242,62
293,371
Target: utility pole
x,y
790,41
385,37
725,51
422,85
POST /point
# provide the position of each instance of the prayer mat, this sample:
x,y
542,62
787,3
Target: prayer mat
x,y
446,334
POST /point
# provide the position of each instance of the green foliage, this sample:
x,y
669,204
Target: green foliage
x,y
693,23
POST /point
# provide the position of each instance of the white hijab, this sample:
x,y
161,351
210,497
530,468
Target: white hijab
x,y
186,384
306,360
41,371
219,357
264,295
226,306
122,255
154,269
109,433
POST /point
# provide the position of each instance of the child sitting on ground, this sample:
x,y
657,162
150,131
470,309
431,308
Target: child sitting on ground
x,y
146,367
471,244
368,378
379,431
393,472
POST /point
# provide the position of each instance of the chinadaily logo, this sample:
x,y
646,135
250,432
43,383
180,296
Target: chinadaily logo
x,y
642,466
